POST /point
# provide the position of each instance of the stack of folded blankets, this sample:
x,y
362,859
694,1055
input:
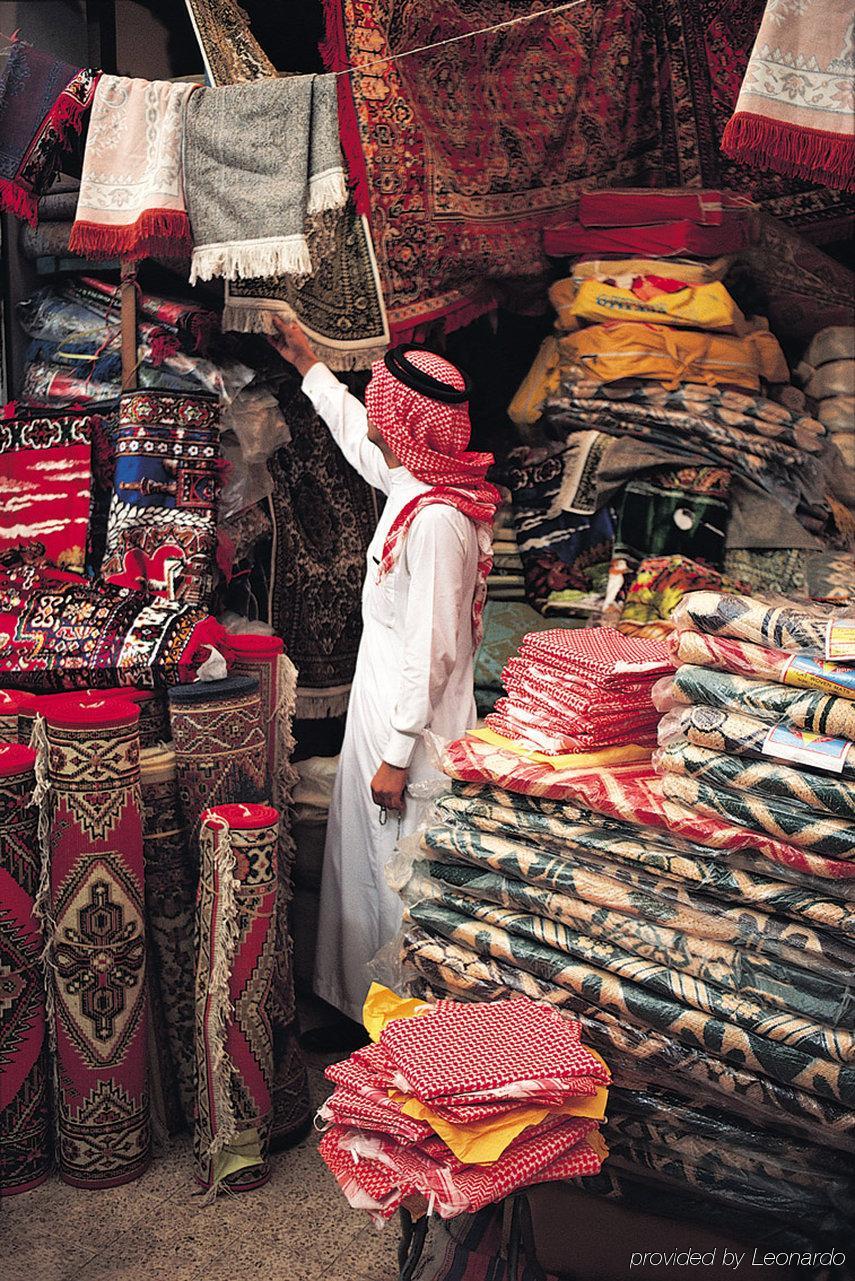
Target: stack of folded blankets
x,y
827,375
579,689
672,410
505,580
456,1106
760,727
710,962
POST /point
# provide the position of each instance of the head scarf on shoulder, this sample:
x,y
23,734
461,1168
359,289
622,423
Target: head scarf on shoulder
x,y
417,401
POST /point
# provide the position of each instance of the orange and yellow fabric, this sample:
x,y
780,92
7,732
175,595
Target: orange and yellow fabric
x,y
606,757
622,271
541,381
610,352
693,307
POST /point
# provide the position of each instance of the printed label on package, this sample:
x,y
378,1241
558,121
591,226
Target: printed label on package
x,y
818,751
840,640
813,673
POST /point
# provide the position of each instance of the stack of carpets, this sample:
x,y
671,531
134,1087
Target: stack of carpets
x,y
760,727
710,964
457,1106
827,375
706,450
580,689
505,580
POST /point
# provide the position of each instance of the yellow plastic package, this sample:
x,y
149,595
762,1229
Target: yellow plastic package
x,y
695,307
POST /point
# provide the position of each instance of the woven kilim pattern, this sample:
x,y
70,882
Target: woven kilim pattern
x,y
219,742
236,934
25,1149
98,951
170,891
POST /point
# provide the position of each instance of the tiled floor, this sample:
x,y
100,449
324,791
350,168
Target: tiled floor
x,y
296,1228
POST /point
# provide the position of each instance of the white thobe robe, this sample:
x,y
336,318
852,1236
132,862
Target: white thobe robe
x,y
414,671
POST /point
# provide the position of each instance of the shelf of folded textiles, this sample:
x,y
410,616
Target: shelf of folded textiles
x,y
55,266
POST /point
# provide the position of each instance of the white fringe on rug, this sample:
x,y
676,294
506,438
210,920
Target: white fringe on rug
x,y
249,259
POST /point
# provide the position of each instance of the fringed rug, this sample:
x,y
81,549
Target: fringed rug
x,y
25,1146
236,931
324,519
263,657
61,631
97,942
220,746
340,306
170,890
43,103
162,524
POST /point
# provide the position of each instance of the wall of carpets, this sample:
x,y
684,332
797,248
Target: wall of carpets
x,y
689,902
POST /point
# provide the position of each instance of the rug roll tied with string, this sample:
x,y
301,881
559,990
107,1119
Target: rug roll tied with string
x,y
97,999
235,930
25,1144
170,892
263,658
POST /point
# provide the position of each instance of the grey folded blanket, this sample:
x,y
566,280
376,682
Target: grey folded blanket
x,y
260,159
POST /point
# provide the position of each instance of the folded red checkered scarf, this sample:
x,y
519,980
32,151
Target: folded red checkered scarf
x,y
607,653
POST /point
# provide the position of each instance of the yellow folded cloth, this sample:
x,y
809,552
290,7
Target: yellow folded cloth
x,y
695,307
671,356
622,271
481,1142
540,382
627,755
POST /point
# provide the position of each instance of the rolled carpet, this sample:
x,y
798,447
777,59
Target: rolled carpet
x,y
97,941
743,618
25,1140
170,891
236,926
220,746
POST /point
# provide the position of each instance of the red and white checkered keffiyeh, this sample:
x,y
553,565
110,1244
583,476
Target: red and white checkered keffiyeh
x,y
607,654
430,439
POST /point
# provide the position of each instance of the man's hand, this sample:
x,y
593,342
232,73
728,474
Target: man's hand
x,y
293,345
387,787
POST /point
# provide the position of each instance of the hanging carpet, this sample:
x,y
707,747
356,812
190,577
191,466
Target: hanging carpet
x,y
340,306
324,519
25,1144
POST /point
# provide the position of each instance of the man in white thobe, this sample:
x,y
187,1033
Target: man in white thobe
x,y
414,672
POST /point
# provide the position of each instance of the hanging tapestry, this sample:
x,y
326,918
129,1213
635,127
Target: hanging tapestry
x,y
340,306
794,111
131,201
45,466
162,524
170,891
704,46
60,631
235,928
97,943
219,741
25,1140
263,658
324,519
43,101
460,182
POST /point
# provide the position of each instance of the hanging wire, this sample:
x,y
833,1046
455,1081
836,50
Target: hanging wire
x,y
363,67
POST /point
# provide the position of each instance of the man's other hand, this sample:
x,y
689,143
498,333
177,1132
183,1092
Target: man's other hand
x,y
293,345
387,787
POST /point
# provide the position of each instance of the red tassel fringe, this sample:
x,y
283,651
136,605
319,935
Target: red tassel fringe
x,y
813,154
333,51
157,233
15,200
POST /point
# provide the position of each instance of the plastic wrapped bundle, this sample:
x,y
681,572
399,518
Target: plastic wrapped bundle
x,y
771,702
743,658
788,626
740,735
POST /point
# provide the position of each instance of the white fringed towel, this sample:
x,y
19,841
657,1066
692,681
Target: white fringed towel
x,y
260,159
